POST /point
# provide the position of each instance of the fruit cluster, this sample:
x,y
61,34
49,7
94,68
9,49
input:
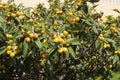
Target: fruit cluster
x,y
12,50
29,35
60,38
101,37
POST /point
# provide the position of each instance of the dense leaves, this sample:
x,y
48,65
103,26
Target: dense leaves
x,y
67,41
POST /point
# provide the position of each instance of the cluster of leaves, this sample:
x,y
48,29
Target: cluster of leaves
x,y
67,41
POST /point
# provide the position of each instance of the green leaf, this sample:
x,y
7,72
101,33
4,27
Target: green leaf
x,y
25,49
38,43
92,1
27,27
95,30
45,44
1,19
116,59
50,70
116,76
92,8
10,1
87,22
71,51
116,10
110,40
52,51
73,41
3,50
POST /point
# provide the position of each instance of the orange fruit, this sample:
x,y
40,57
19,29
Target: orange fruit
x,y
12,54
9,47
35,35
60,50
77,19
27,39
65,50
65,33
19,13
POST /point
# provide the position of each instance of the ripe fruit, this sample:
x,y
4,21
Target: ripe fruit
x,y
55,23
59,12
113,30
13,14
8,15
61,41
9,47
18,13
67,44
65,33
9,51
65,50
27,39
110,66
42,55
15,47
70,14
1,6
12,54
9,36
71,19
8,22
51,35
35,35
28,32
31,35
42,31
79,4
10,41
24,74
22,31
30,20
56,40
77,19
60,50
21,17
101,37
69,36
117,52
13,9
42,63
61,35
93,57
55,36
106,45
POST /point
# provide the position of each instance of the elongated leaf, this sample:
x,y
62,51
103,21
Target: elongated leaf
x,y
45,44
2,50
38,43
25,49
52,51
110,40
95,30
73,41
92,8
28,27
1,19
116,10
71,51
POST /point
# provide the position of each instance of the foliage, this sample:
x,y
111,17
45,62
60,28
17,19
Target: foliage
x,y
67,41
